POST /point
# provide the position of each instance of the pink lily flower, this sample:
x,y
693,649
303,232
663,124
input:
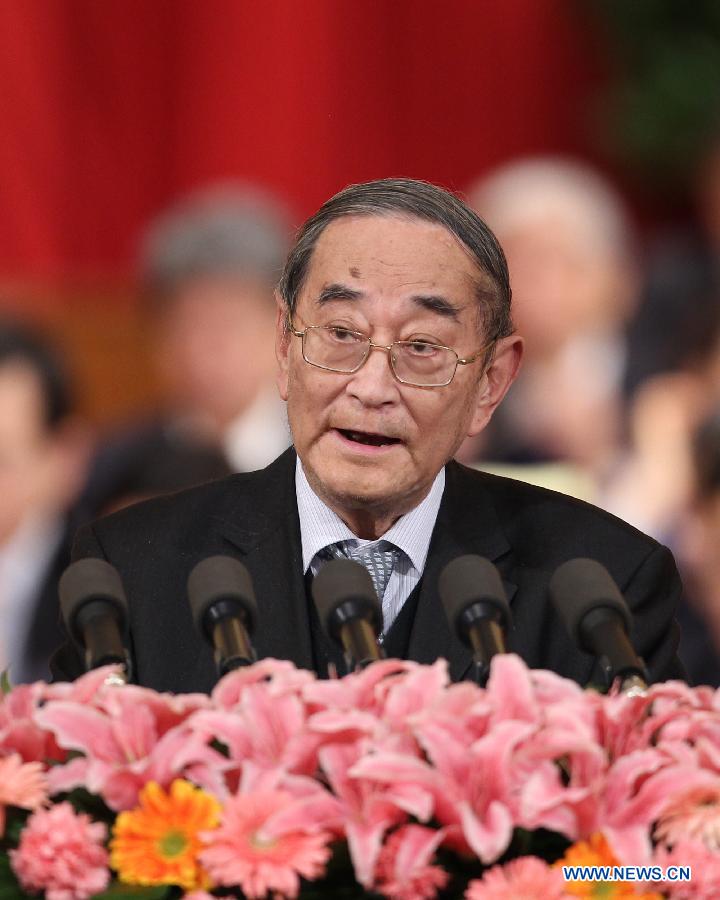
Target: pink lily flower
x,y
478,789
127,742
398,702
405,870
638,788
362,690
369,809
279,675
20,732
269,728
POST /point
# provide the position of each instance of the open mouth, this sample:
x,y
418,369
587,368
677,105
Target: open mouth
x,y
368,438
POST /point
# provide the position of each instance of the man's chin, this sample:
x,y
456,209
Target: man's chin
x,y
358,490
369,483
354,494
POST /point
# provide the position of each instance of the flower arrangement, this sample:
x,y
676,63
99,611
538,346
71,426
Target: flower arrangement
x,y
391,782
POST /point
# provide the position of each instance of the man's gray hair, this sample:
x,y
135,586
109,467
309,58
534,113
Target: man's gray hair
x,y
418,200
224,230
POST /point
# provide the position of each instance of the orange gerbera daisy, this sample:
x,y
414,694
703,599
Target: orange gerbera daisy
x,y
597,852
158,843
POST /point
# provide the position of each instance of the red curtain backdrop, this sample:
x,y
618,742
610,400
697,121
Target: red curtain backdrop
x,y
111,108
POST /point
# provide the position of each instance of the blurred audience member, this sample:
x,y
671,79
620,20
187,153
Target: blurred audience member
x,y
673,377
677,319
144,462
208,267
43,456
574,280
654,485
699,557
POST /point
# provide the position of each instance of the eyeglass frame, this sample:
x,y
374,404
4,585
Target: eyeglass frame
x,y
371,345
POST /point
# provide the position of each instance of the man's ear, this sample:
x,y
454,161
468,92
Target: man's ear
x,y
498,377
282,344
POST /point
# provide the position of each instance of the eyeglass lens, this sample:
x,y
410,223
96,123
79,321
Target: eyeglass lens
x,y
414,362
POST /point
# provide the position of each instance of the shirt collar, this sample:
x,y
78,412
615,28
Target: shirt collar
x,y
320,526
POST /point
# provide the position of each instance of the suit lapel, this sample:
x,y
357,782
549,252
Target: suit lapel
x,y
264,531
467,523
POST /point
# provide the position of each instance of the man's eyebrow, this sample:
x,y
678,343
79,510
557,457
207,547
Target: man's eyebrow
x,y
437,304
337,292
432,302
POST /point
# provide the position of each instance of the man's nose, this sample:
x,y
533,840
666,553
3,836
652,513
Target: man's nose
x,y
374,383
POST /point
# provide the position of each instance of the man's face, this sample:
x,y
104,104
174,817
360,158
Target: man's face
x,y
214,347
41,468
24,446
393,279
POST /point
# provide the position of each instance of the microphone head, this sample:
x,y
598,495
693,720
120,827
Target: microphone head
x,y
224,583
345,583
88,580
472,579
581,585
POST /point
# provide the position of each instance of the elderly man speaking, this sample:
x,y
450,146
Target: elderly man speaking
x,y
394,343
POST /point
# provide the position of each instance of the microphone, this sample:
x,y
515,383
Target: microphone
x,y
349,610
475,603
224,609
94,609
598,619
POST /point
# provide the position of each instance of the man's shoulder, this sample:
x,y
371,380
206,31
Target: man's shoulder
x,y
547,524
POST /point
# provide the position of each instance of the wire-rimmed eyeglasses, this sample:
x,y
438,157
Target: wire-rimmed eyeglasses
x,y
415,362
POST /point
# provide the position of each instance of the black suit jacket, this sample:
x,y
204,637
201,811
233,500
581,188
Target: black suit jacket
x,y
525,530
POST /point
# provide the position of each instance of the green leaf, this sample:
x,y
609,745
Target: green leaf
x,y
12,892
92,804
339,880
548,845
9,887
660,107
14,824
461,870
5,685
338,892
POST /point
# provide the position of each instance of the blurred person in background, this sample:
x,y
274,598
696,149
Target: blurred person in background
x,y
673,375
699,557
677,319
44,451
208,267
654,486
572,264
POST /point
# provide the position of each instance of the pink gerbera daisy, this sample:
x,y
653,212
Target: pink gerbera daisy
x,y
696,816
61,852
527,877
247,851
705,870
21,784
